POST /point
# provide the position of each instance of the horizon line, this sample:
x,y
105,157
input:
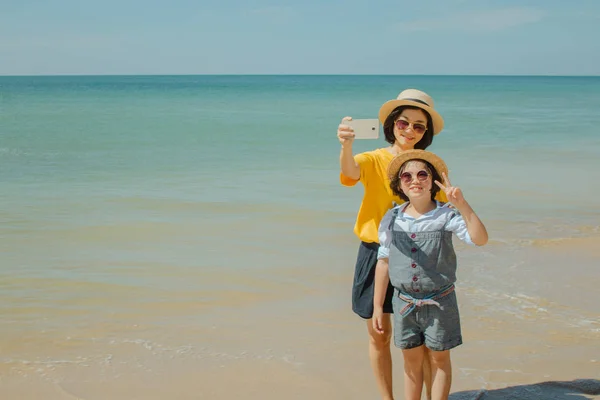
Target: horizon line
x,y
297,74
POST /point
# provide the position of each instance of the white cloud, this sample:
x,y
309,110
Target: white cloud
x,y
478,21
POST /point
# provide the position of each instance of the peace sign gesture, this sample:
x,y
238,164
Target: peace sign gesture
x,y
453,193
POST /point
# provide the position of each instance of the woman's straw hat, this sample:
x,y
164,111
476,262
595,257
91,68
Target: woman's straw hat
x,y
396,163
416,98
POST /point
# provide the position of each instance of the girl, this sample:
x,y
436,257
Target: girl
x,y
417,256
409,122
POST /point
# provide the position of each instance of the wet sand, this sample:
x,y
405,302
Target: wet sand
x,y
529,315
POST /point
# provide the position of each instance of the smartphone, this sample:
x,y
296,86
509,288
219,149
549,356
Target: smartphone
x,y
364,128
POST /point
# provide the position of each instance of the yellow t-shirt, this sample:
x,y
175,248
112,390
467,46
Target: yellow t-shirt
x,y
378,196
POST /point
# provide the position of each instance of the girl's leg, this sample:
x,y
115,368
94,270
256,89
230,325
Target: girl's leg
x,y
441,371
427,372
381,356
413,372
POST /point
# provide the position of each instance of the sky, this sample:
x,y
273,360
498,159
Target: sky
x,y
425,37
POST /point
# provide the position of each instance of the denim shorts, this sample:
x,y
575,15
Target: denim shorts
x,y
363,287
438,329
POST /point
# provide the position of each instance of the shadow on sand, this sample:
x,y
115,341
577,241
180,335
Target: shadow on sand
x,y
573,390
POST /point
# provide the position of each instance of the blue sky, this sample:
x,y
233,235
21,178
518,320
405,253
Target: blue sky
x,y
300,37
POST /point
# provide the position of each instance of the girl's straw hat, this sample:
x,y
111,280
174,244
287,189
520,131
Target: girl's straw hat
x,y
416,98
396,163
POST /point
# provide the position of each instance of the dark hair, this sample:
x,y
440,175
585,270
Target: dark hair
x,y
395,182
388,127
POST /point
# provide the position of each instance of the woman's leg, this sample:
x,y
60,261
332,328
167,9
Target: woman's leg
x,y
413,372
441,372
381,356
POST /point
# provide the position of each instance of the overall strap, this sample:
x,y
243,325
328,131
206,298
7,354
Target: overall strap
x,y
451,215
393,220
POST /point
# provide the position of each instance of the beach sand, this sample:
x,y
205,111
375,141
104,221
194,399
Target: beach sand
x,y
301,341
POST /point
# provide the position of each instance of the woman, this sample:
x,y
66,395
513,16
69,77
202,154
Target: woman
x,y
409,122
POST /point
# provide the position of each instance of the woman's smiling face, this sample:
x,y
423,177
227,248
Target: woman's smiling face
x,y
408,137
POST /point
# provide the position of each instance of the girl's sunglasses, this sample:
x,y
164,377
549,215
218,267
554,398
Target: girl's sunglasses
x,y
403,125
407,177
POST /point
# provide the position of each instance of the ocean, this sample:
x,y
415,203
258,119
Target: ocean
x,y
151,224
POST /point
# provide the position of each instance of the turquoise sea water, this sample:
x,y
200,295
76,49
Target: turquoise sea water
x,y
260,139
142,198
161,168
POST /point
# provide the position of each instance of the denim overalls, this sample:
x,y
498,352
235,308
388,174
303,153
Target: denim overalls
x,y
422,269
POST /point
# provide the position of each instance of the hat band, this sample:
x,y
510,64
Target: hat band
x,y
418,101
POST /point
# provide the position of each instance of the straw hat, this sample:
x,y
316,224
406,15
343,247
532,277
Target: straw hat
x,y
416,98
396,163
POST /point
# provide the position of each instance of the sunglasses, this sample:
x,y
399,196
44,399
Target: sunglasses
x,y
407,177
403,125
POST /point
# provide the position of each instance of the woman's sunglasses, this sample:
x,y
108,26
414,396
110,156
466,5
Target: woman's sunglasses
x,y
407,177
403,125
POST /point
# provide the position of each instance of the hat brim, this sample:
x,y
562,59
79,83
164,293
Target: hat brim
x,y
389,106
437,163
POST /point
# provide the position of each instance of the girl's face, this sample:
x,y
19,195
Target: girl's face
x,y
415,180
409,128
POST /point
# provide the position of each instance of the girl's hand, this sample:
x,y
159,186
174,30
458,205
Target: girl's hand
x,y
378,321
453,193
345,133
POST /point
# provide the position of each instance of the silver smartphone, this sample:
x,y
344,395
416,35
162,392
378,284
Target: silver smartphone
x,y
364,128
